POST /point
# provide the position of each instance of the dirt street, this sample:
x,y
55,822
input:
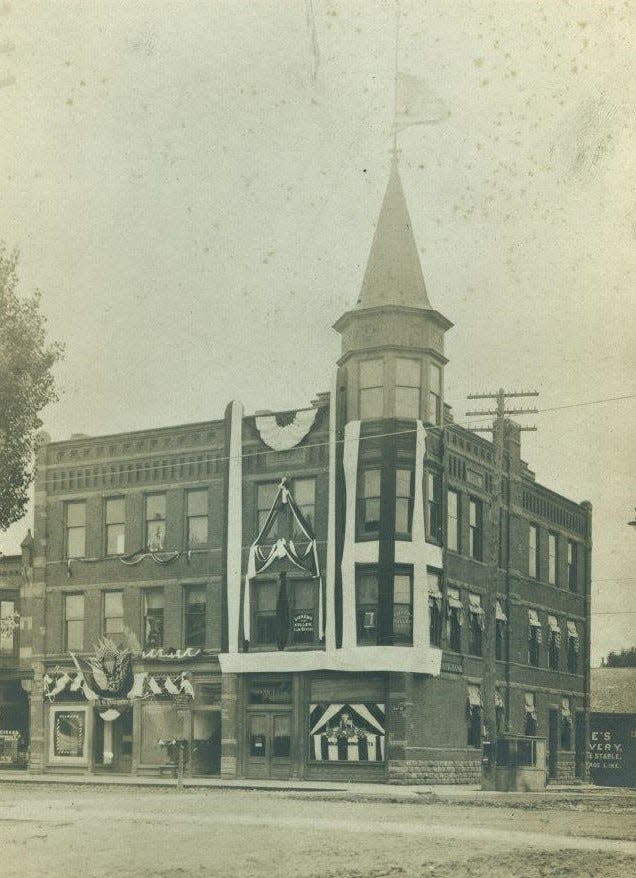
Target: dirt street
x,y
133,833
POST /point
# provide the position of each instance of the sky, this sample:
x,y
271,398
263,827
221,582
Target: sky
x,y
194,186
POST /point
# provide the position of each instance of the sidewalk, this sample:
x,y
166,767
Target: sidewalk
x,y
380,791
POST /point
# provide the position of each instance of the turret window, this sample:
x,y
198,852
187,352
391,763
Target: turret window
x,y
408,382
371,397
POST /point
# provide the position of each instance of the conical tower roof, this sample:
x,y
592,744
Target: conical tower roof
x,y
393,275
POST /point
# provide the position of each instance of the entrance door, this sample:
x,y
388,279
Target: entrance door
x,y
269,744
553,743
580,744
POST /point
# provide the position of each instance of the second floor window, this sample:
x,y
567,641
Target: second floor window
x,y
402,607
369,502
264,603
197,519
74,622
403,501
303,610
453,522
407,388
76,530
475,533
501,621
572,565
195,616
113,624
552,559
454,619
115,525
534,638
153,606
434,608
371,393
476,615
433,508
155,522
554,645
367,606
533,551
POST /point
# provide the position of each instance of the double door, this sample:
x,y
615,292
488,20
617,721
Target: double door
x,y
269,744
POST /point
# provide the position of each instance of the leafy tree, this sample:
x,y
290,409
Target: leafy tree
x,y
626,658
26,386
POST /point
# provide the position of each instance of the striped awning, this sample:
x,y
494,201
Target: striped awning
x,y
499,613
452,596
533,619
474,603
530,705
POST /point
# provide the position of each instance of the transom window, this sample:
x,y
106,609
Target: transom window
x,y
403,501
74,621
434,394
371,393
113,613
197,523
408,383
369,501
115,525
76,529
195,612
155,522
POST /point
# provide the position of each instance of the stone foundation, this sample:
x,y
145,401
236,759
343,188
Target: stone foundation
x,y
455,770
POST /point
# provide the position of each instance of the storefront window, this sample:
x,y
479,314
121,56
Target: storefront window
x,y
69,729
347,732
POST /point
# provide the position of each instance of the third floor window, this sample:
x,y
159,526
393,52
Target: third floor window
x,y
453,522
552,559
433,507
403,501
113,623
197,518
155,522
115,525
369,502
533,551
76,529
475,532
572,565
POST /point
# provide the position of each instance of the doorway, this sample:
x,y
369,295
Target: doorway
x,y
553,743
269,744
113,742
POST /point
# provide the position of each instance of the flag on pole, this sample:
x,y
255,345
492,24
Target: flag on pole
x,y
416,103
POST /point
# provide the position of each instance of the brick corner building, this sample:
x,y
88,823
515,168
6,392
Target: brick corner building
x,y
323,593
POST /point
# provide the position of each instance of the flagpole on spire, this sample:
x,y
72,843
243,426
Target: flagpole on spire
x,y
394,150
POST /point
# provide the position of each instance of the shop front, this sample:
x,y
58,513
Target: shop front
x,y
324,726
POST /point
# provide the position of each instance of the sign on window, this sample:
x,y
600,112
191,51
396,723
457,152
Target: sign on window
x,y
347,732
68,734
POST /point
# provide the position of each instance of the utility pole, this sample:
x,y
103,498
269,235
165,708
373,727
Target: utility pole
x,y
494,534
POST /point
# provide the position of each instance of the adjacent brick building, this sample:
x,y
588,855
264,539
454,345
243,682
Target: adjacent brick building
x,y
321,593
